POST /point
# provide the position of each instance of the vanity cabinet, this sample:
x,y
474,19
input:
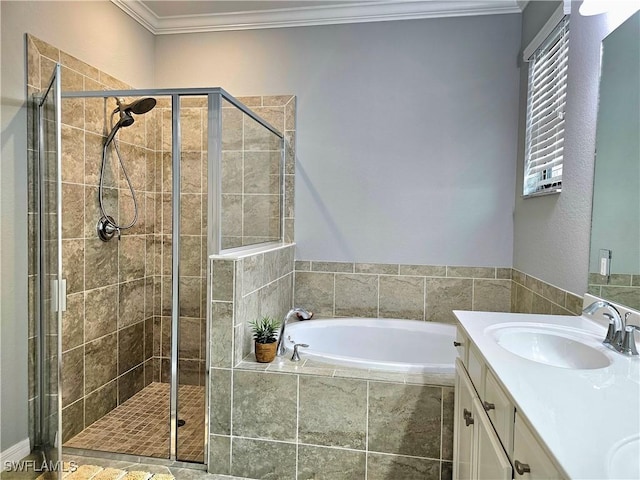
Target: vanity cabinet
x,y
530,461
491,440
478,452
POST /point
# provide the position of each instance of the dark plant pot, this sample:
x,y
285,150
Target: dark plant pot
x,y
265,352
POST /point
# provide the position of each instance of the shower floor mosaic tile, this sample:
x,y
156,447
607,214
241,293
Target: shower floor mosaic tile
x,y
140,426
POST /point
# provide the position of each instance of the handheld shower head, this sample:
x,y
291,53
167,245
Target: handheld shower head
x,y
126,119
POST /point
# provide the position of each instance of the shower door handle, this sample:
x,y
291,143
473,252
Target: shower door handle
x,y
59,295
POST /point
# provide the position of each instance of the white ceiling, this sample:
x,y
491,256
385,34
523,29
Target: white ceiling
x,y
167,16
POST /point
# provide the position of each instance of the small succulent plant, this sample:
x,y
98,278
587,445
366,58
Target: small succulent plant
x,y
264,329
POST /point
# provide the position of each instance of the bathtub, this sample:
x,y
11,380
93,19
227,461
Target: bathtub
x,y
376,343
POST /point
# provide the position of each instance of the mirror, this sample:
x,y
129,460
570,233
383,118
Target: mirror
x,y
615,222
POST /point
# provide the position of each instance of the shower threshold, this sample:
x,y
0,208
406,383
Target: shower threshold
x,y
140,426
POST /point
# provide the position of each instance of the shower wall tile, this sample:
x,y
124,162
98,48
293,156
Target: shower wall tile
x,y
100,363
73,253
72,151
101,312
79,66
72,383
232,172
131,383
100,402
72,420
130,347
100,263
132,259
131,303
73,322
190,338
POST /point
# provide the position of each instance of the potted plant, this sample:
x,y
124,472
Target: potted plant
x,y
264,334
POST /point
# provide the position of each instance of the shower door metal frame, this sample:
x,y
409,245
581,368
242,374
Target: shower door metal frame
x,y
175,282
214,247
57,303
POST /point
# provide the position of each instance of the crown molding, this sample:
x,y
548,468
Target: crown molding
x,y
377,11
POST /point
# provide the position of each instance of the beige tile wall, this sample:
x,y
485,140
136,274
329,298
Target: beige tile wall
x,y
193,243
531,295
423,292
251,166
417,292
107,328
620,288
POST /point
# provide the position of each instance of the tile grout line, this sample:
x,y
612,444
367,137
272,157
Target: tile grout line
x,y
366,436
297,425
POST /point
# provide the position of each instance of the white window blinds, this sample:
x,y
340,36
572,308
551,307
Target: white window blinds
x,y
547,92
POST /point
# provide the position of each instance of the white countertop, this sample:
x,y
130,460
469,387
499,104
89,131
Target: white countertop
x,y
582,416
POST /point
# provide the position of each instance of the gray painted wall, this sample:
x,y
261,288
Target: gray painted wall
x,y
87,31
551,233
407,130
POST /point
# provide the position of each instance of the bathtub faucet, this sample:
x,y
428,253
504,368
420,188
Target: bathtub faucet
x,y
302,314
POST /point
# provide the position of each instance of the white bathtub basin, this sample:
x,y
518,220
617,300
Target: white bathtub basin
x,y
377,343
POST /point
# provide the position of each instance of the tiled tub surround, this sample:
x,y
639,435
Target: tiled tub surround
x,y
422,292
324,426
287,421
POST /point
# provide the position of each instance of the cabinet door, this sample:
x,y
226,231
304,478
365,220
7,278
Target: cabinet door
x,y
491,460
463,425
530,461
500,410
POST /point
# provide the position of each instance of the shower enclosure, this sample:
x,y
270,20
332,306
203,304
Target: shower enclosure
x,y
123,350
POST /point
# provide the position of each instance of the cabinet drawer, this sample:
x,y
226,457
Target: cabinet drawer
x,y
499,409
530,461
476,368
461,343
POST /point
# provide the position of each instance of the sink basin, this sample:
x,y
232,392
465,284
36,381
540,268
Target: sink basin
x,y
624,459
551,345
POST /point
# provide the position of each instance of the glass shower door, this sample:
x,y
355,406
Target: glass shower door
x,y
51,284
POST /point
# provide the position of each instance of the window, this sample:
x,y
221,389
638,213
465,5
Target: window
x,y
546,99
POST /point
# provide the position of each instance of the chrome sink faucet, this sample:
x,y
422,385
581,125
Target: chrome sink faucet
x,y
619,335
302,314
